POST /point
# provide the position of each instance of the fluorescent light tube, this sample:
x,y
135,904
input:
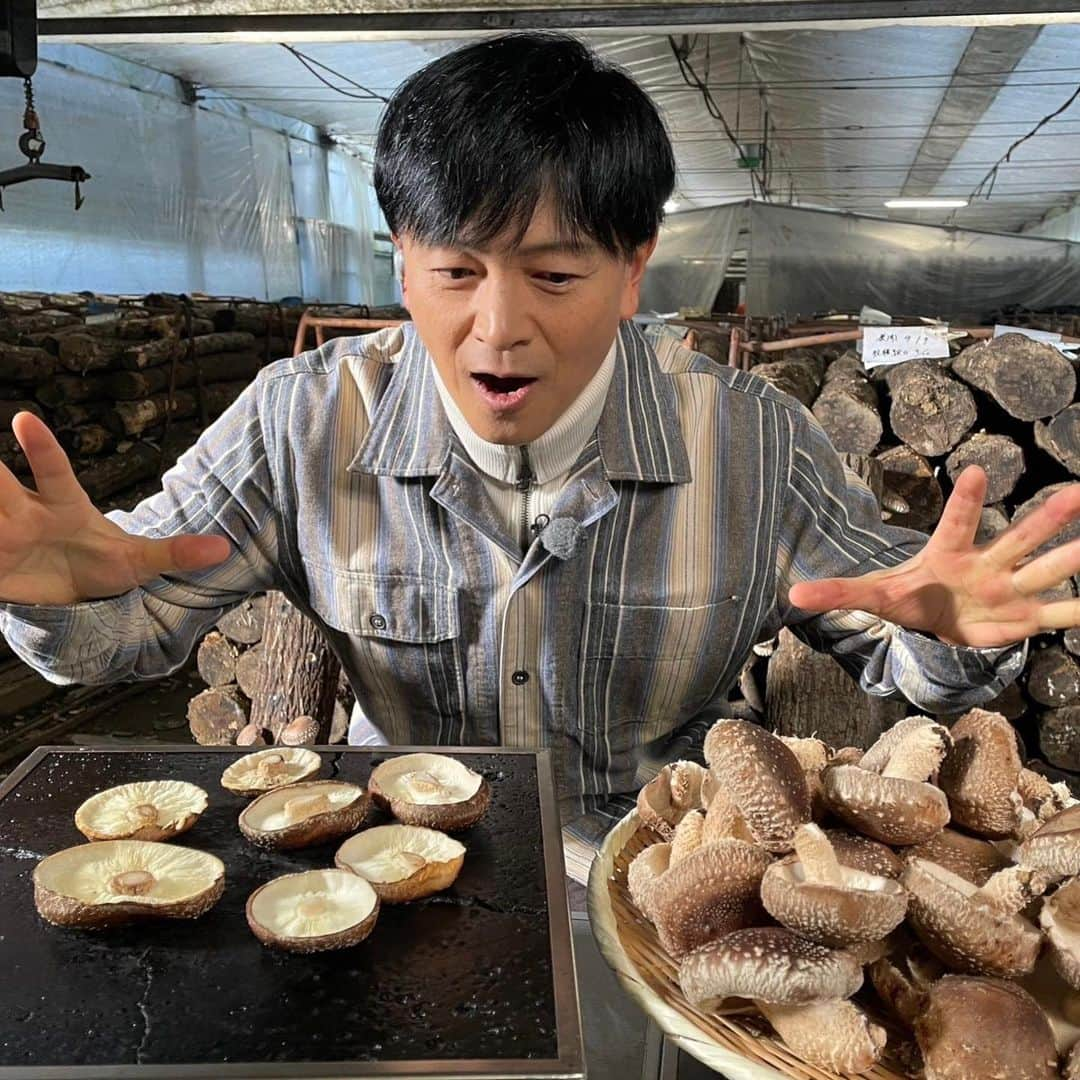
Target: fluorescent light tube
x,y
925,204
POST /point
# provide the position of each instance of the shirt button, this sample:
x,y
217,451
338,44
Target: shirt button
x,y
519,678
378,622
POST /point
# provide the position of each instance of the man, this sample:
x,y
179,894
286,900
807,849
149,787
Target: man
x,y
516,520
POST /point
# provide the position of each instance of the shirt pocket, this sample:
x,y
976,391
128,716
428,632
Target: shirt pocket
x,y
400,637
648,669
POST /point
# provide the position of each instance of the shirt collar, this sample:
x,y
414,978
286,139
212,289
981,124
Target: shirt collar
x,y
638,431
554,452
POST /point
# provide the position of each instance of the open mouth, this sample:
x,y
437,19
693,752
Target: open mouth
x,y
502,392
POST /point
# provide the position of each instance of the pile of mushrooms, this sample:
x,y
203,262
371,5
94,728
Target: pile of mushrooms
x,y
932,877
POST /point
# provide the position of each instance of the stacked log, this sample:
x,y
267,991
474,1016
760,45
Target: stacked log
x,y
257,686
1007,404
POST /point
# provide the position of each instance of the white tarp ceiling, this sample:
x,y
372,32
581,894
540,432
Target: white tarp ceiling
x,y
853,117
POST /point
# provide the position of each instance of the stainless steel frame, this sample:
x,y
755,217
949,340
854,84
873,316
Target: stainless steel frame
x,y
570,1064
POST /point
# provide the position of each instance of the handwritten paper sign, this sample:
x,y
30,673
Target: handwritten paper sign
x,y
883,345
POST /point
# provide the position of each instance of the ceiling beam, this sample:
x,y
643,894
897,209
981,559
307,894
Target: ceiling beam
x,y
98,23
965,101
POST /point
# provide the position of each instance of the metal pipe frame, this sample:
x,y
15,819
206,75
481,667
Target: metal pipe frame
x,y
658,18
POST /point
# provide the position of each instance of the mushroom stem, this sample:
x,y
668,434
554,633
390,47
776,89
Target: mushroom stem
x,y
723,821
304,806
918,755
1042,797
133,882
688,836
425,783
817,856
831,1034
145,812
312,907
1009,891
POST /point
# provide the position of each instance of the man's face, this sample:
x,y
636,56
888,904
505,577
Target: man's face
x,y
517,333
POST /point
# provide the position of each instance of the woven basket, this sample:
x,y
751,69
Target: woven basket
x,y
739,1045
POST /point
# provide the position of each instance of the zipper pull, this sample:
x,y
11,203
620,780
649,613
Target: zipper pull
x,y
525,474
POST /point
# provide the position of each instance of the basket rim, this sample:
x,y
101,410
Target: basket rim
x,y
685,1034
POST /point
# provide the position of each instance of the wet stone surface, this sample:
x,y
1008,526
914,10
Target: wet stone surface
x,y
465,974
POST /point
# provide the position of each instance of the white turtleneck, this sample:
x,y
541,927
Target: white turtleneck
x,y
551,456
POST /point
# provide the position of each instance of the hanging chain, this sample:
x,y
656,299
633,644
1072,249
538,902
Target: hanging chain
x,y
30,116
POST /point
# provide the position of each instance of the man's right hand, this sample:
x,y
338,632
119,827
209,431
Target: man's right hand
x,y
56,548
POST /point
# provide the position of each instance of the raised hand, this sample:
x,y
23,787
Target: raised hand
x,y
966,594
56,548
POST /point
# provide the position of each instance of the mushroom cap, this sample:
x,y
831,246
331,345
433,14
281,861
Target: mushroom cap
x,y
713,891
1055,846
643,874
860,908
1071,1068
764,779
403,862
834,1035
430,790
112,882
145,810
263,770
886,808
1060,919
973,859
768,964
980,774
979,1028
300,731
968,936
313,911
301,815
672,794
861,853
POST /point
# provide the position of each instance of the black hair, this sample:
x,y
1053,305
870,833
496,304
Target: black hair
x,y
472,142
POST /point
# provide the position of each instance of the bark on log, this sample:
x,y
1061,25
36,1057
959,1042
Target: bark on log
x,y
67,417
993,521
1070,532
1053,677
217,367
910,476
847,408
299,673
11,454
1028,379
8,409
930,412
248,667
1000,458
1060,438
89,439
134,417
216,715
801,378
112,474
1059,737
71,390
217,660
809,693
244,624
151,327
89,352
161,352
20,364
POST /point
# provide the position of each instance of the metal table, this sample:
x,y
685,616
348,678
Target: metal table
x,y
474,982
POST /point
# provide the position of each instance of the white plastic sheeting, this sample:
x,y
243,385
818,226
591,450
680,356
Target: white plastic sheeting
x,y
181,199
805,261
802,261
691,258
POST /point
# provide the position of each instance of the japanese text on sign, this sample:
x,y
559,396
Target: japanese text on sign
x,y
893,344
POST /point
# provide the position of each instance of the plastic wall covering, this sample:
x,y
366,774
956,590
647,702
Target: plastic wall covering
x,y
803,261
181,200
691,258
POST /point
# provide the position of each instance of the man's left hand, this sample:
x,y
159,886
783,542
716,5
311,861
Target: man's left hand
x,y
964,594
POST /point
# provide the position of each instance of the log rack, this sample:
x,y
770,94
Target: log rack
x,y
319,324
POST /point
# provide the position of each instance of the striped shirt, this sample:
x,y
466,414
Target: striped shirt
x,y
701,497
